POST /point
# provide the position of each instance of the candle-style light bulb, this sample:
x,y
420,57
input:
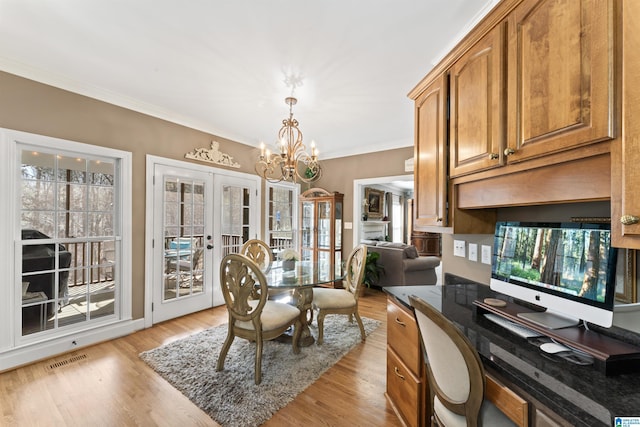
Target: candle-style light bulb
x,y
262,149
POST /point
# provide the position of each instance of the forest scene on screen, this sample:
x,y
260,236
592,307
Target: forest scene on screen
x,y
572,261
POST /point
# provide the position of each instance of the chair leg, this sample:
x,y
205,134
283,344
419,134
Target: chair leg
x,y
297,332
360,325
258,374
225,348
320,327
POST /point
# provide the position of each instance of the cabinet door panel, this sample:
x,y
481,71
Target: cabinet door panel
x,y
477,103
430,155
625,153
560,76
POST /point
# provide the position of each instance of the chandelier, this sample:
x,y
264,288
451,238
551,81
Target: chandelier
x,y
292,163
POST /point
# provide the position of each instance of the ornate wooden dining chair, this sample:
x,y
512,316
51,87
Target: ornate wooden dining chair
x,y
455,372
253,319
342,301
258,252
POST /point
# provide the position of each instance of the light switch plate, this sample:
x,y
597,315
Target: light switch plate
x,y
473,252
458,248
486,254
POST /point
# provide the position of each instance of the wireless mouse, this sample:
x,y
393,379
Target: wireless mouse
x,y
552,348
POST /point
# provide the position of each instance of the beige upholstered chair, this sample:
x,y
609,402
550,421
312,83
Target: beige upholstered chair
x,y
455,371
342,301
253,319
259,252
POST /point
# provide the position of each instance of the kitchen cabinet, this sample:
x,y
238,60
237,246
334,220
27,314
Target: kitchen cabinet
x,y
530,96
430,154
561,76
321,231
434,206
406,375
477,104
625,152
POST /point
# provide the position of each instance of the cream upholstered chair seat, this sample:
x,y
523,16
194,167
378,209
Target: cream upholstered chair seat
x,y
251,316
455,372
324,298
342,301
274,316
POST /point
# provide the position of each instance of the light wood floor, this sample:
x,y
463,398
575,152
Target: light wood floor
x,y
108,385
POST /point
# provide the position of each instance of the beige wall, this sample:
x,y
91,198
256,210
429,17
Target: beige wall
x,y
36,108
481,273
339,174
32,107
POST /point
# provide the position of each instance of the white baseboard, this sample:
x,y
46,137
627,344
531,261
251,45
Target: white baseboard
x,y
25,355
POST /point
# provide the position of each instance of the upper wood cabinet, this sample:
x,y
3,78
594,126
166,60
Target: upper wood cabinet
x,y
477,103
625,152
430,153
561,69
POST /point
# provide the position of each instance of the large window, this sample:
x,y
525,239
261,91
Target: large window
x,y
69,238
281,226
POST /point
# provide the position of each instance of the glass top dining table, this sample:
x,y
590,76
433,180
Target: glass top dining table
x,y
304,274
296,287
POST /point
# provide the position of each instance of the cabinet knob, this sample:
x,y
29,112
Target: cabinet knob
x,y
439,219
509,151
494,156
629,219
400,322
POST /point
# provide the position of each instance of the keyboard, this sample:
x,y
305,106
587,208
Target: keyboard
x,y
521,331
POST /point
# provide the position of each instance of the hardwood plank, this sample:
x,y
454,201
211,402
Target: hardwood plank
x,y
111,386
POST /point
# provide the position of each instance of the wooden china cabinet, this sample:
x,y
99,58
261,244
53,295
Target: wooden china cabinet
x,y
321,232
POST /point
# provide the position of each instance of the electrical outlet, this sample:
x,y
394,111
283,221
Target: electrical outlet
x,y
473,252
486,254
458,248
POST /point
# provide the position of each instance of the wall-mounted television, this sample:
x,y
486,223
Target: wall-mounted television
x,y
566,268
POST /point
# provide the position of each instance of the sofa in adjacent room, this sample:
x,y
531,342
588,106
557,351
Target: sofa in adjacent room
x,y
402,264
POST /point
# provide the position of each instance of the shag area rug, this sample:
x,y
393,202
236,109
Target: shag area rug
x,y
231,397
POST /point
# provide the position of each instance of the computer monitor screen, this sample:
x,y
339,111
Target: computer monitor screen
x,y
566,268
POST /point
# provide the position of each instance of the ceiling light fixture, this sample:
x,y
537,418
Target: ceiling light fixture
x,y
292,163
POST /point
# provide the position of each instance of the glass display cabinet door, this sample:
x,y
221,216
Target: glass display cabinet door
x,y
307,227
324,225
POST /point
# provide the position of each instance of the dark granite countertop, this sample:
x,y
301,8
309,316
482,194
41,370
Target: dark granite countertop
x,y
582,395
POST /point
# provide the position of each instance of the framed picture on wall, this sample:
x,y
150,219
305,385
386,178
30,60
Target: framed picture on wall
x,y
375,201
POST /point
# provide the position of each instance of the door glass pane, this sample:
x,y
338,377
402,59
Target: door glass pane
x,y
184,217
280,209
67,272
235,218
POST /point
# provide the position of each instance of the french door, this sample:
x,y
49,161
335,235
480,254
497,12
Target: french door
x,y
237,210
200,214
182,242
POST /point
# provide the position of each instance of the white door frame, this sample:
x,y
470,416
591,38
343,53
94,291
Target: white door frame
x,y
151,161
358,189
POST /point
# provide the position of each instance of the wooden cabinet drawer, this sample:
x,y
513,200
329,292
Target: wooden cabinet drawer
x,y
404,390
505,399
403,336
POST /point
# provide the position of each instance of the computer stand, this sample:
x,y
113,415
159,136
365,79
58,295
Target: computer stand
x,y
611,356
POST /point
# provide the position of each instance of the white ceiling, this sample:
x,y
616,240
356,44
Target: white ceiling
x,y
220,66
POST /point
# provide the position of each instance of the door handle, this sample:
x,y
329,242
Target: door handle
x,y
209,246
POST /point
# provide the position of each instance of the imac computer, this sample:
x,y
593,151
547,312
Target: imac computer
x,y
566,268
